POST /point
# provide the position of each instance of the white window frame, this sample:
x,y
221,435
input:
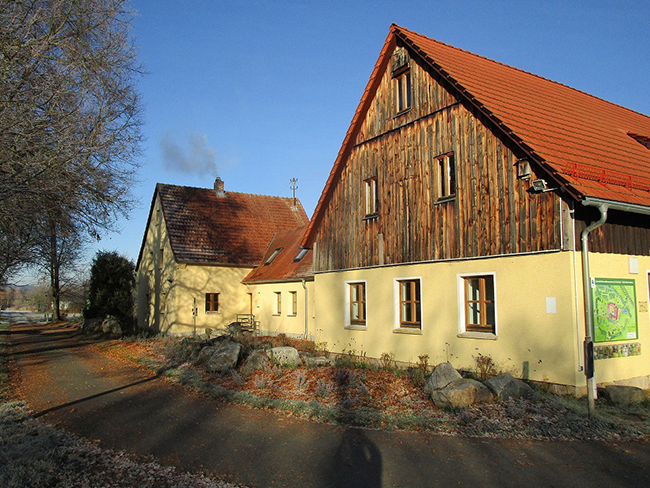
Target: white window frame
x,y
348,319
462,332
397,324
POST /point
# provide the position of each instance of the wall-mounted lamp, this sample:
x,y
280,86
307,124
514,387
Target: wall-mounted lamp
x,y
540,186
523,169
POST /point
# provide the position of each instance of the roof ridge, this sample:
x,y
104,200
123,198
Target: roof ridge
x,y
228,191
400,28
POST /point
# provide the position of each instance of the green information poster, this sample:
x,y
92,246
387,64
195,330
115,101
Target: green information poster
x,y
614,306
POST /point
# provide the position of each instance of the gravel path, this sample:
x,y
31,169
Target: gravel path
x,y
68,383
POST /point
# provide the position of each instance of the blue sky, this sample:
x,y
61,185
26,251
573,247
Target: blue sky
x,y
264,91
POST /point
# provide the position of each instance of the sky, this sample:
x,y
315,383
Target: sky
x,y
259,92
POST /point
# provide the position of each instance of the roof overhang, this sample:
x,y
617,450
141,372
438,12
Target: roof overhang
x,y
614,205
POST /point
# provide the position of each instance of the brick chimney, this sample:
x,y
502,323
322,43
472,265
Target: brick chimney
x,y
218,187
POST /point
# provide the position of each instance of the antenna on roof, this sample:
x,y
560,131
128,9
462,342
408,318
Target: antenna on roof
x,y
294,187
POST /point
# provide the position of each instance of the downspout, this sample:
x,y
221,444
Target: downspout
x,y
586,284
304,286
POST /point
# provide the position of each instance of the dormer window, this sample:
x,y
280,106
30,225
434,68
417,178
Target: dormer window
x,y
643,140
273,255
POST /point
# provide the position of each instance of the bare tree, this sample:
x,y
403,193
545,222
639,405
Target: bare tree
x,y
59,245
70,117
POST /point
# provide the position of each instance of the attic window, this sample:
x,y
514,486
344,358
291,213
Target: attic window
x,y
640,139
444,173
300,255
400,60
402,76
273,256
371,196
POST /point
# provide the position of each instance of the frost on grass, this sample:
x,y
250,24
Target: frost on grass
x,y
33,453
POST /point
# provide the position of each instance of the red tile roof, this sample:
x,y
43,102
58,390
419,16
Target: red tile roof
x,y
592,147
283,267
235,229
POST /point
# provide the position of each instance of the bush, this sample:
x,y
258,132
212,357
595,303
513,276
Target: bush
x,y
112,283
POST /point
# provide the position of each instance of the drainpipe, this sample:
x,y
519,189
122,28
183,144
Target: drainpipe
x,y
304,286
586,283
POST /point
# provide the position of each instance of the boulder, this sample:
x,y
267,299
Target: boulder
x,y
257,360
441,376
205,354
224,358
285,356
110,325
505,386
317,361
623,396
461,393
92,325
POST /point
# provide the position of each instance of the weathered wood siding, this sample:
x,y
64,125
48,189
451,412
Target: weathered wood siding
x,y
623,233
493,213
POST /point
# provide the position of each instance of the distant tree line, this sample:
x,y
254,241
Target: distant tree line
x,y
70,130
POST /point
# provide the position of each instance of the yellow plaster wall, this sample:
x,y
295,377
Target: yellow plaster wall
x,y
154,271
530,342
264,304
191,283
635,367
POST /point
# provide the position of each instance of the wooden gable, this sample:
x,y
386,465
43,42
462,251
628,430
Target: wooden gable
x,y
492,211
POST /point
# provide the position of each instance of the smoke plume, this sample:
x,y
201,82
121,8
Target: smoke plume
x,y
193,156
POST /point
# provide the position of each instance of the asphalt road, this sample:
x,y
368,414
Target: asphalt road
x,y
68,383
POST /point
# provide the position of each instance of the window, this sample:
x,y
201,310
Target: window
x,y
371,196
273,256
643,140
211,302
444,173
278,303
479,305
409,304
162,259
300,255
357,303
403,95
294,302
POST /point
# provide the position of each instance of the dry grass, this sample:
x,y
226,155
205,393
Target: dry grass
x,y
359,393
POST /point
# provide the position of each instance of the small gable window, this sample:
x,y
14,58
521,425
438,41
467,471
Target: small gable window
x,y
444,174
402,79
371,196
403,92
273,255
